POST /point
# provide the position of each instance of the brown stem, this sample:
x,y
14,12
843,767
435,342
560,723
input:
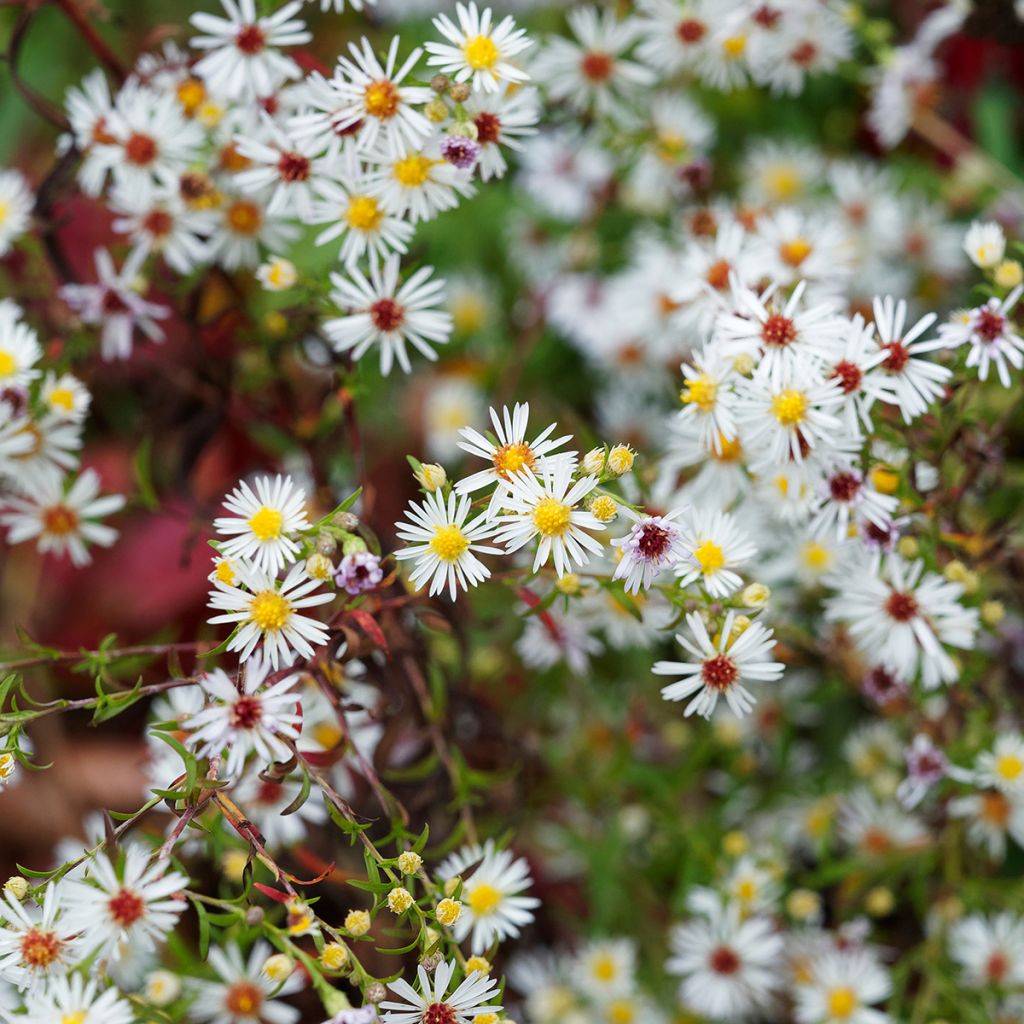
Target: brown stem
x,y
96,42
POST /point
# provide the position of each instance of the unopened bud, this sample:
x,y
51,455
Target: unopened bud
x,y
431,476
756,595
334,956
992,613
353,545
319,567
254,916
459,92
432,962
345,520
326,544
621,459
357,922
17,886
593,461
375,993
448,911
440,83
410,862
278,968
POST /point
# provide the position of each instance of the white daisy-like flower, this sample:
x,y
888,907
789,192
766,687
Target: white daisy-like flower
x,y
77,1001
607,967
544,508
989,950
19,349
720,671
243,62
493,905
264,522
844,986
243,994
134,906
848,499
879,828
417,183
242,228
810,247
901,616
63,523
16,202
339,5
708,397
674,34
991,335
382,312
443,545
266,611
1002,767
88,106
501,119
264,801
730,965
37,454
477,51
433,1003
985,244
854,366
991,816
714,546
36,944
510,452
246,717
654,544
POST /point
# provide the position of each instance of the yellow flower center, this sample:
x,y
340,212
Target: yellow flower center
x,y
7,364
671,146
327,734
484,899
381,99
191,93
481,53
604,968
449,543
5,209
225,573
842,1002
604,509
63,398
729,449
1009,767
621,1011
266,524
413,171
790,407
795,252
710,557
469,313
783,182
746,890
269,611
701,392
551,517
816,556
364,213
78,1017
513,457
733,47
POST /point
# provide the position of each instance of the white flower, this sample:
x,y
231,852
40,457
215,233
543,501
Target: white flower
x,y
242,227
501,119
62,523
544,508
900,616
277,274
417,182
463,1006
243,62
844,984
1003,766
607,967
159,221
264,801
382,312
708,397
264,522
991,816
133,907
444,545
245,717
985,244
989,950
19,349
36,944
493,907
849,499
76,1001
713,546
730,966
267,612
653,544
37,454
875,828
16,202
991,335
477,51
722,670
243,994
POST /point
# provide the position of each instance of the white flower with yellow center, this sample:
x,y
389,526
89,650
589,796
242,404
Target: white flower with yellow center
x,y
444,545
607,967
493,905
16,204
264,522
477,51
73,1000
984,243
509,452
266,611
1002,767
544,508
753,887
417,183
844,986
242,993
36,945
708,397
277,274
65,396
19,349
714,547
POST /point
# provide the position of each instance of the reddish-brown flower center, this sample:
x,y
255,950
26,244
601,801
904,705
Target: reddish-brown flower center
x,y
849,375
59,520
488,127
653,541
126,907
387,315
39,948
269,792
719,672
778,330
243,999
140,149
997,966
901,607
844,486
597,66
989,325
804,53
294,167
158,223
898,357
690,30
724,961
439,1013
767,16
718,275
113,303
246,712
250,39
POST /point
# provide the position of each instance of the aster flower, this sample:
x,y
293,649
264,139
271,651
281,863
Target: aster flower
x,y
37,454
877,828
848,499
443,545
159,221
501,119
653,544
713,546
989,950
926,765
266,611
73,999
417,183
243,994
242,229
844,986
36,944
390,315
264,522
708,397
720,670
432,1002
16,203
1002,767
985,244
19,349
358,572
991,335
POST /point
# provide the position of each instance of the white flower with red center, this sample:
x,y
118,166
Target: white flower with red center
x,y
160,222
246,717
36,944
874,828
16,203
783,338
991,816
713,547
908,381
134,905
1002,767
545,508
501,119
443,545
812,40
339,5
17,441
243,61
674,35
478,51
19,349
509,451
63,523
367,101
848,500
901,616
590,72
243,994
382,312
264,523
720,670
417,183
267,611
88,106
729,965
845,986
73,1000
926,765
434,1005
242,228
114,304
991,335
654,544
989,950
854,365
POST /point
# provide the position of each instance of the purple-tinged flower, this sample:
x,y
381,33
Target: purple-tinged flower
x,y
653,544
460,151
358,572
926,765
883,686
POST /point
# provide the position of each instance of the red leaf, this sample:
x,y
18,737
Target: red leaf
x,y
312,881
369,626
275,894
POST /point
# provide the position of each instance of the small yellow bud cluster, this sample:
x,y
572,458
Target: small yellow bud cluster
x,y
755,595
409,862
17,887
735,844
319,567
399,900
448,911
604,508
478,965
568,584
334,956
803,905
357,922
880,901
278,968
431,476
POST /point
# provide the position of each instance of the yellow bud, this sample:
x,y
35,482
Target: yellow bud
x,y
885,480
593,461
334,956
803,905
448,911
278,968
743,364
992,613
431,476
409,863
604,508
568,584
399,900
908,547
735,844
478,965
955,572
436,111
1008,274
17,886
755,595
739,626
621,459
162,987
275,323
319,567
357,922
880,901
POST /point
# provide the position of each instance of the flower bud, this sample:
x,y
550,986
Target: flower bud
x,y
431,476
451,885
436,111
448,911
254,916
755,595
621,459
353,545
439,83
399,900
17,886
478,965
410,862
345,520
1008,274
992,613
593,461
604,508
161,988
334,956
375,992
326,544
803,905
880,901
357,922
277,274
278,968
568,584
319,567
459,92
431,962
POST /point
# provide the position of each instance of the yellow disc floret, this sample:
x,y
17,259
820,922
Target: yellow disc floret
x,y
269,611
364,213
552,517
842,1002
710,557
267,523
413,171
789,407
701,392
484,899
513,457
481,53
449,543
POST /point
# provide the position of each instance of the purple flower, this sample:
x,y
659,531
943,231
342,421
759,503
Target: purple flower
x,y
883,686
364,1015
358,572
926,764
460,151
